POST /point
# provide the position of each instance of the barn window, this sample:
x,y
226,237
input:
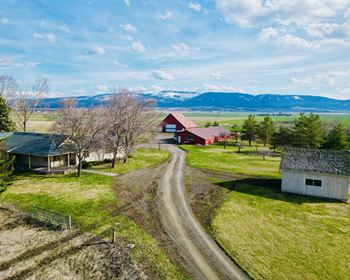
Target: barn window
x,y
313,182
189,137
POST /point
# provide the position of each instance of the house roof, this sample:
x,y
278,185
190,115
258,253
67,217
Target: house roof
x,y
316,161
39,144
183,120
208,132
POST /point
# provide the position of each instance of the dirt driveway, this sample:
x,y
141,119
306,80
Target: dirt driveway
x,y
204,257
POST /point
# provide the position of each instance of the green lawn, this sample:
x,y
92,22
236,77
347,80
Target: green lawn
x,y
282,236
248,162
92,203
140,158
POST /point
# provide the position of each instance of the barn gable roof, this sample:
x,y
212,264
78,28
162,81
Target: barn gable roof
x,y
39,144
208,132
316,161
183,120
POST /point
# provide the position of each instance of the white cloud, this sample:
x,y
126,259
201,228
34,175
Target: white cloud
x,y
102,88
162,75
222,88
183,48
49,37
5,62
302,80
293,40
97,50
165,16
138,47
268,33
195,6
127,2
64,28
4,20
128,27
157,88
119,64
216,76
249,13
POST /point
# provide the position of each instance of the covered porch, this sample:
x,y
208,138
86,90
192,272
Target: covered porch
x,y
61,164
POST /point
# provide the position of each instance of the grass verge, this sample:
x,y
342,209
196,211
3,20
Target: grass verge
x,y
140,158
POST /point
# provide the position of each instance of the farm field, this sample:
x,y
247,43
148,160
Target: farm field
x,y
227,119
140,158
247,162
283,236
29,251
93,205
39,122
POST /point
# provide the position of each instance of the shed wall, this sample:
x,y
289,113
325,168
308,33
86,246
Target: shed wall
x,y
333,186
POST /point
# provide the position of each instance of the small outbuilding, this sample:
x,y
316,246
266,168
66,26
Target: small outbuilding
x,y
321,173
202,136
176,122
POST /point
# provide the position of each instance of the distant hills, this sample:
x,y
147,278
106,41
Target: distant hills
x,y
225,101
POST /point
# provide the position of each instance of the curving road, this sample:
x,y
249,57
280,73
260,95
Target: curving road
x,y
200,252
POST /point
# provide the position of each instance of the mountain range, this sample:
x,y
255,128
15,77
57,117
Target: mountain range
x,y
221,101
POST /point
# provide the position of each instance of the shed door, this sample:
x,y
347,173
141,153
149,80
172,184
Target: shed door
x,y
179,139
170,128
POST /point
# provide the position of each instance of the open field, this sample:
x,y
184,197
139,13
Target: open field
x,y
273,235
29,251
93,205
140,158
227,119
247,162
39,122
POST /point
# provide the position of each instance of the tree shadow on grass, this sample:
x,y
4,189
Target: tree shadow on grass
x,y
269,188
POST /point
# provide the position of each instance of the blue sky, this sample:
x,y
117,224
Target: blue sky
x,y
253,46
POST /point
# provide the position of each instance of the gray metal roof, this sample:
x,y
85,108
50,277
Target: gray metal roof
x,y
316,161
39,144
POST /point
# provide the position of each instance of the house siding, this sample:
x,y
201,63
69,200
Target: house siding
x,y
100,155
170,119
196,139
333,186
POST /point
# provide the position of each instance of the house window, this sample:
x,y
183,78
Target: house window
x,y
313,182
189,137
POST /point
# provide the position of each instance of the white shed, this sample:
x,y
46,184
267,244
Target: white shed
x,y
321,173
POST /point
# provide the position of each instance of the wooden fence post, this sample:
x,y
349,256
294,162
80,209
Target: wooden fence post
x,y
114,235
70,221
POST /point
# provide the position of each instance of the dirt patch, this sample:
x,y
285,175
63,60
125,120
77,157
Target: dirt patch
x,y
137,192
28,251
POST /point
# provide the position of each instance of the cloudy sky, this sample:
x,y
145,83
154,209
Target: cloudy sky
x,y
253,46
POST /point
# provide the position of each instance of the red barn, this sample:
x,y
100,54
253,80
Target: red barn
x,y
176,122
202,136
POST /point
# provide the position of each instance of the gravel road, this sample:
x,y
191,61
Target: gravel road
x,y
202,255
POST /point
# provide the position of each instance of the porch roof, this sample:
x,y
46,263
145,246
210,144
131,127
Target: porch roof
x,y
39,144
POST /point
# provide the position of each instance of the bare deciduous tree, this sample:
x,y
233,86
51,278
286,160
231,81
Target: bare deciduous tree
x,y
7,86
25,102
82,126
126,118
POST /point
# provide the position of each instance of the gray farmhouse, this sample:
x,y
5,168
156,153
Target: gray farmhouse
x,y
321,173
45,153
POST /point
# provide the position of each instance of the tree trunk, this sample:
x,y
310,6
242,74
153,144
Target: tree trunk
x,y
114,159
250,142
79,167
24,125
125,160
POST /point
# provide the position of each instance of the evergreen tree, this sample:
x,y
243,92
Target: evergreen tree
x,y
282,137
215,123
308,132
266,130
207,124
337,138
6,124
6,169
249,129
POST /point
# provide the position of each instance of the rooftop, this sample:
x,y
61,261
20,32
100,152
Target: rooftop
x,y
208,132
39,144
316,161
183,120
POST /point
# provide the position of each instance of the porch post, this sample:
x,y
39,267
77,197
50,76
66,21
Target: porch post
x,y
68,160
29,162
48,164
